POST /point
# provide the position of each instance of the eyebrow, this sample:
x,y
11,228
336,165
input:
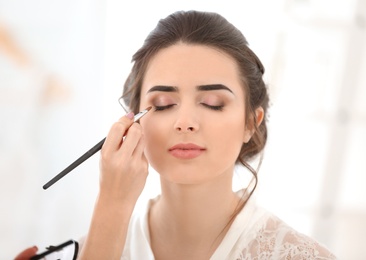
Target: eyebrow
x,y
209,87
163,89
213,87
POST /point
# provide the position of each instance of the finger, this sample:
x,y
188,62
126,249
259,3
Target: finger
x,y
115,136
143,158
139,150
131,140
27,253
139,157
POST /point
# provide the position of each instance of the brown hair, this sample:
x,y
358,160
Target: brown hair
x,y
209,29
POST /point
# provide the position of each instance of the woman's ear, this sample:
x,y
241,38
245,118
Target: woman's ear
x,y
253,124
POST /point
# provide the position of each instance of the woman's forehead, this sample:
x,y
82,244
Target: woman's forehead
x,y
192,65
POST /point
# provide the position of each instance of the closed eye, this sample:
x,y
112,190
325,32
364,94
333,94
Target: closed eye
x,y
161,108
216,108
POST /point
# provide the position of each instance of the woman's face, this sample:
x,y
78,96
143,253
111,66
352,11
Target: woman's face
x,y
196,128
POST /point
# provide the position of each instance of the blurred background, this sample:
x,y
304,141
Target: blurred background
x,y
62,68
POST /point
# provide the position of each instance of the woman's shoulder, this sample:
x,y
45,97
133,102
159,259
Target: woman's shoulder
x,y
272,238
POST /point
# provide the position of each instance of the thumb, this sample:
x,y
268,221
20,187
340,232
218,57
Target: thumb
x,y
27,253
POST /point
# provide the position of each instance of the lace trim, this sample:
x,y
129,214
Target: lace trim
x,y
276,240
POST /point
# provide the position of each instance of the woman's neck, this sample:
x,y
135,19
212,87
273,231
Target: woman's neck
x,y
194,217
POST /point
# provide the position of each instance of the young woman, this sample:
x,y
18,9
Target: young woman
x,y
209,105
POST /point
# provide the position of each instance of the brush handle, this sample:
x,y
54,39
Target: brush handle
x,y
75,164
88,154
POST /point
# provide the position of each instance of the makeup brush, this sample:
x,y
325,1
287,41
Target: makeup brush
x,y
87,155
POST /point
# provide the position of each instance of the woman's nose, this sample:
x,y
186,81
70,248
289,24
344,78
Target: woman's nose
x,y
185,129
186,122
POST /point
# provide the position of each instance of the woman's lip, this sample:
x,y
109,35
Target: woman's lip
x,y
186,151
188,146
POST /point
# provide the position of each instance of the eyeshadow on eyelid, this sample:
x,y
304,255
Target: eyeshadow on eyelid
x,y
161,100
212,100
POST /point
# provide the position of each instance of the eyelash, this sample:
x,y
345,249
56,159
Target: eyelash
x,y
161,108
215,108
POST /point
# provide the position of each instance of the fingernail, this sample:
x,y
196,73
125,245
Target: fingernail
x,y
130,115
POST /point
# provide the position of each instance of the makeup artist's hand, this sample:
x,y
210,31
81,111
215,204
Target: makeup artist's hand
x,y
123,165
123,173
27,253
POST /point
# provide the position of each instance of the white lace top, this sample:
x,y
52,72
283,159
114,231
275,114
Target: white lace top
x,y
254,234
